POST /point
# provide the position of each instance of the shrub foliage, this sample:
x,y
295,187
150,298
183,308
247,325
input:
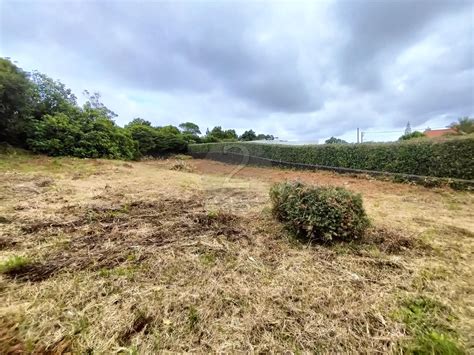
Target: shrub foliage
x,y
42,114
319,213
451,158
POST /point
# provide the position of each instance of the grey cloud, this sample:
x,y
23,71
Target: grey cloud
x,y
306,70
377,30
165,46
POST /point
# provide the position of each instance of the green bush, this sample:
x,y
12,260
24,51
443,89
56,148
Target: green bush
x,y
319,213
439,158
81,136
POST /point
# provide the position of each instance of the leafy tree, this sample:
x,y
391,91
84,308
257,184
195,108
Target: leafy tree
x,y
190,128
267,137
220,134
248,136
334,140
94,104
415,134
15,103
51,96
408,129
42,114
166,143
144,135
81,136
55,135
210,139
138,121
169,130
191,138
464,125
104,139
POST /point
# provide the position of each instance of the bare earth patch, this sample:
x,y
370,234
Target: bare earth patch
x,y
138,257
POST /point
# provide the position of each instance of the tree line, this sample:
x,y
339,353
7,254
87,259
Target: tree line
x,y
42,115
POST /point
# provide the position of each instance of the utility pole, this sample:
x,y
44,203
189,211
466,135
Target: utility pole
x,y
357,134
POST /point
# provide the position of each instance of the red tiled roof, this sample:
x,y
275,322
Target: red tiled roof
x,y
438,132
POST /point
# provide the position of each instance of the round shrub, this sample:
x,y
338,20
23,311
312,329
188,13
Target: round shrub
x,y
319,213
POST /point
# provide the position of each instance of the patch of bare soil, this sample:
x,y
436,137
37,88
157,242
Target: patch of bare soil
x,y
105,235
269,174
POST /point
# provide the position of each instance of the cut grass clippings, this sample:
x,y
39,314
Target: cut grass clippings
x,y
101,260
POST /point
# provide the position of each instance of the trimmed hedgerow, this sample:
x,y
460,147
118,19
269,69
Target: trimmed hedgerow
x,y
319,213
451,158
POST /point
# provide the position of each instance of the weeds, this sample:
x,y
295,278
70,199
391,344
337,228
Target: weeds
x,y
428,322
193,317
14,264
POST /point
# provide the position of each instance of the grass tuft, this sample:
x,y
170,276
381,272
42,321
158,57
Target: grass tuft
x,y
14,264
428,322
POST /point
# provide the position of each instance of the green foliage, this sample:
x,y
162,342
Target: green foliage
x,y
138,121
190,132
210,139
411,135
219,134
191,138
450,157
248,136
166,143
144,135
334,140
42,114
428,322
156,141
190,128
319,213
81,136
50,96
267,137
55,135
93,104
464,125
167,130
13,264
15,103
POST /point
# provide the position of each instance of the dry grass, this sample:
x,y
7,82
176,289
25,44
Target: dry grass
x,y
136,257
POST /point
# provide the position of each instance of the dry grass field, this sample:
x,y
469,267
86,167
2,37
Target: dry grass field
x,y
102,256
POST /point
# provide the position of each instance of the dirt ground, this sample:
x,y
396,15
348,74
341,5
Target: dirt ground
x,y
102,256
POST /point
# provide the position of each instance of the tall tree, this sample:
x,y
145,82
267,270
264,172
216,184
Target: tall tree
x,y
190,128
267,137
138,121
248,136
334,140
94,104
51,96
15,103
408,129
464,125
412,135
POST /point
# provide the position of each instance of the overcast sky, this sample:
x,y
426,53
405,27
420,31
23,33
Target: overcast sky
x,y
298,70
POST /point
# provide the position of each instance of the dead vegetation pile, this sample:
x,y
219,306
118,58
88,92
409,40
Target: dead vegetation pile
x,y
103,236
181,165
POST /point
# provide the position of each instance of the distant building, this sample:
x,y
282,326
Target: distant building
x,y
432,133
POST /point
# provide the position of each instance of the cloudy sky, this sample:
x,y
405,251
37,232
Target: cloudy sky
x,y
298,70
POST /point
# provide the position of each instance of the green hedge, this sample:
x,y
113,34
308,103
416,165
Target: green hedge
x,y
450,158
